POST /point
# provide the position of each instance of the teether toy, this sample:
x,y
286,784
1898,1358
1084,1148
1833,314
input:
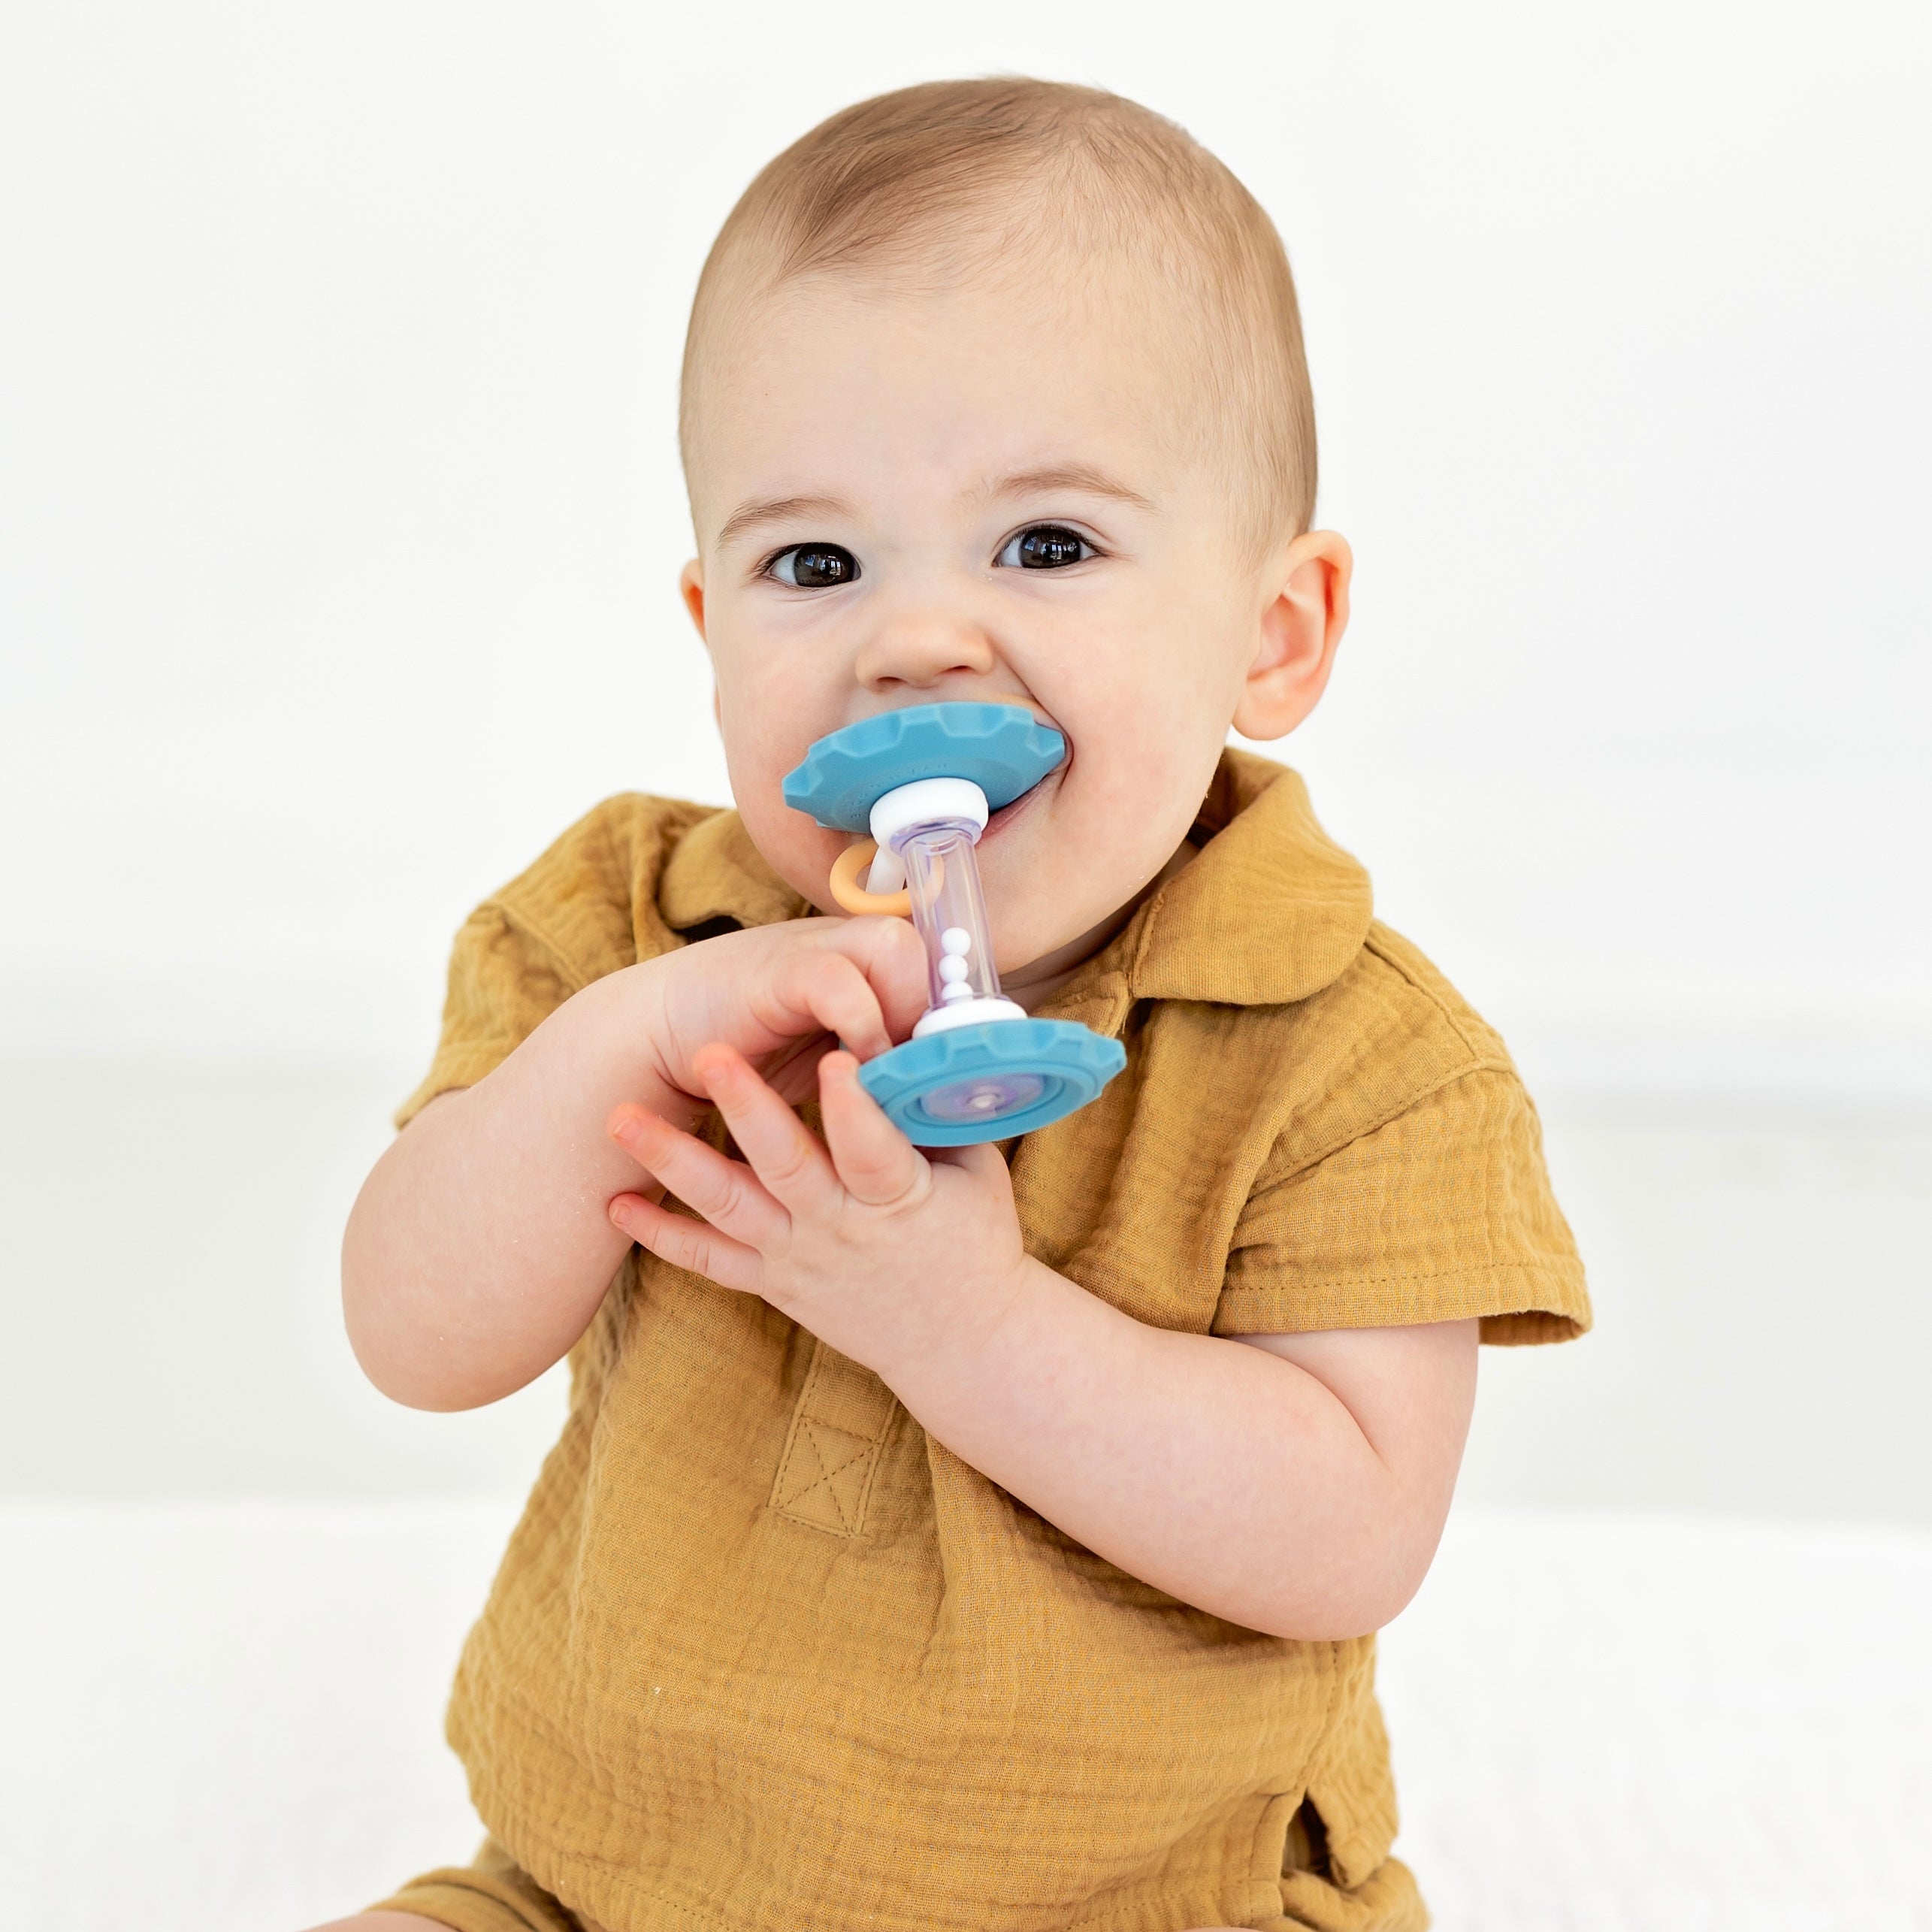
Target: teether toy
x,y
923,781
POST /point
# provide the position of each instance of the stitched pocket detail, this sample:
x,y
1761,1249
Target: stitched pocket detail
x,y
838,1429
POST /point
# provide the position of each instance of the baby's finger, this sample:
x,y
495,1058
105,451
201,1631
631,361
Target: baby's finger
x,y
726,1193
893,959
877,1164
856,985
785,1157
688,1244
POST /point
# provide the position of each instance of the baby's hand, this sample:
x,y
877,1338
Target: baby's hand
x,y
480,1248
882,1252
782,995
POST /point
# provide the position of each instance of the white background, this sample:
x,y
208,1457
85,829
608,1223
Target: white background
x,y
339,517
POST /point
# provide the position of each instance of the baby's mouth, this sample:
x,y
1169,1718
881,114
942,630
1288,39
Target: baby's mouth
x,y
999,820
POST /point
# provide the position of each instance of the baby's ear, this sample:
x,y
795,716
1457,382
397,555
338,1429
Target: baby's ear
x,y
1300,628
690,587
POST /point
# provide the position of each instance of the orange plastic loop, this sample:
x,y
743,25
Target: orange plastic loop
x,y
854,898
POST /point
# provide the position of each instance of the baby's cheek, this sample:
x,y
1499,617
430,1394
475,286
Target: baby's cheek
x,y
801,853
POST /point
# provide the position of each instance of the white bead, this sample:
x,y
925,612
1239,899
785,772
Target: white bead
x,y
952,967
958,989
956,940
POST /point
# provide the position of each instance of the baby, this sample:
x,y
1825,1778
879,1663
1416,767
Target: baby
x,y
986,1540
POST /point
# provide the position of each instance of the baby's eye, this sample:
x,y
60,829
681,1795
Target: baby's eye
x,y
814,567
1047,546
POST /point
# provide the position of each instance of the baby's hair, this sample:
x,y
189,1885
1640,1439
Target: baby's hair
x,y
918,182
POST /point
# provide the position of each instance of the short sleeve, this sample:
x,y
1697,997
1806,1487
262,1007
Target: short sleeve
x,y
503,983
1442,1213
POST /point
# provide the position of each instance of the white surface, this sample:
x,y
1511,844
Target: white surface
x,y
229,1718
340,515
1607,1724
222,1720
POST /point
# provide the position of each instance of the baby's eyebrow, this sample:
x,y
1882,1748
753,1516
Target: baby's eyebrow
x,y
1081,476
776,509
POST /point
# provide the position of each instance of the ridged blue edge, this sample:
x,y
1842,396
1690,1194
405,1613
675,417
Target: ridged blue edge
x,y
1002,748
1075,1061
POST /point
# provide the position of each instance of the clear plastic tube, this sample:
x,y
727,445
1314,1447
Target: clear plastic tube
x,y
949,910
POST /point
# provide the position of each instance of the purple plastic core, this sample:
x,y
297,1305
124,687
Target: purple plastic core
x,y
986,1097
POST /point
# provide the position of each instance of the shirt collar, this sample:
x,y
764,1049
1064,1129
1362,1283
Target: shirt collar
x,y
714,872
1269,911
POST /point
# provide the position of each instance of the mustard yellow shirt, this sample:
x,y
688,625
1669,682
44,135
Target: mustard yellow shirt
x,y
762,1654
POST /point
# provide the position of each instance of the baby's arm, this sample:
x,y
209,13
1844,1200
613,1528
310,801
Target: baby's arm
x,y
1297,1485
480,1247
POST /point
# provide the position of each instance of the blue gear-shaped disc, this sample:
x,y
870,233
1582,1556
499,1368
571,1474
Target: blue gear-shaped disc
x,y
1000,747
991,1081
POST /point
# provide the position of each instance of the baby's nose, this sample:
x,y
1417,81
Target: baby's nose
x,y
921,647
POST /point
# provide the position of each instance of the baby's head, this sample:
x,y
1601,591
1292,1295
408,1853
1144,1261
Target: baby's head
x,y
994,390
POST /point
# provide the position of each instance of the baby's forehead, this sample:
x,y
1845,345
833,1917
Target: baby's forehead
x,y
1026,262
1044,318
886,405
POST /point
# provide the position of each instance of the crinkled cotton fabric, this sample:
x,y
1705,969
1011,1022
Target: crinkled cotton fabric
x,y
763,1654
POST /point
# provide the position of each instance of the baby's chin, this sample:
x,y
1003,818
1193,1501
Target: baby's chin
x,y
1041,900
1044,926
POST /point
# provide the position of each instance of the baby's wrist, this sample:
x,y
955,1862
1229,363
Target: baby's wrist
x,y
626,1029
953,1349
